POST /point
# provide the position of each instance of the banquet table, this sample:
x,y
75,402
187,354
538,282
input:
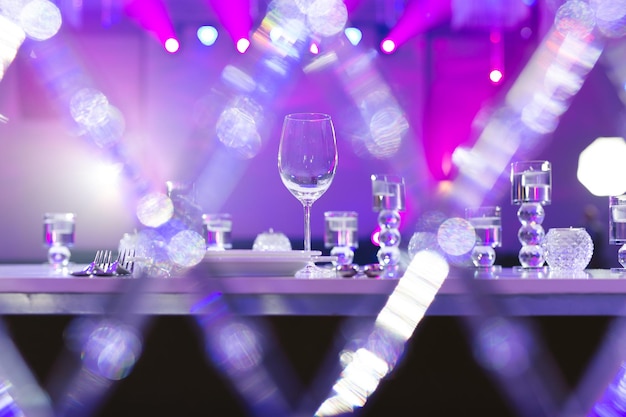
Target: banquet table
x,y
36,289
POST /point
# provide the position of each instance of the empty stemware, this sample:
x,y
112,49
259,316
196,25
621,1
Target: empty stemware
x,y
307,160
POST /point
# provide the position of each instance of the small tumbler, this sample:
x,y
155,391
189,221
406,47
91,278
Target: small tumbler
x,y
58,234
217,231
487,224
341,234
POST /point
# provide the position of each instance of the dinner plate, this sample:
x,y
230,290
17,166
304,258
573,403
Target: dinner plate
x,y
246,263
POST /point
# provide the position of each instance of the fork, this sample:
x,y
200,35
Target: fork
x,y
93,265
118,267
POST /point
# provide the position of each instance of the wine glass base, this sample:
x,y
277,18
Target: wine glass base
x,y
313,271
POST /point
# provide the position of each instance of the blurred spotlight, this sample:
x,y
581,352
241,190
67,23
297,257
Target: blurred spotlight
x,y
242,45
387,46
314,49
207,35
11,38
601,167
495,76
40,19
171,45
394,325
354,35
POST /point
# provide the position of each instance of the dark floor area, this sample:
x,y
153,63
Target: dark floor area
x,y
437,375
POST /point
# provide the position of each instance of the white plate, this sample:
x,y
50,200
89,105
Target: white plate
x,y
245,263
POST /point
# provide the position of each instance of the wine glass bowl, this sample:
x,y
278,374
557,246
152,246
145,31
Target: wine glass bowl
x,y
307,160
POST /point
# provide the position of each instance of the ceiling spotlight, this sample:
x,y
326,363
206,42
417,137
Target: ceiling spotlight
x,y
388,46
354,35
171,45
242,45
207,35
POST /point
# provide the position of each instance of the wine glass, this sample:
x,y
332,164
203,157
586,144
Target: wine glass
x,y
307,159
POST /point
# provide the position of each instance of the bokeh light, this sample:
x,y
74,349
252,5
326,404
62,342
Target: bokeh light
x,y
242,45
171,45
154,209
456,236
601,167
40,19
354,35
207,35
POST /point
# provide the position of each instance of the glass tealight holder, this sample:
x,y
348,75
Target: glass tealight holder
x,y
58,234
217,228
568,249
341,236
531,189
487,223
617,228
388,200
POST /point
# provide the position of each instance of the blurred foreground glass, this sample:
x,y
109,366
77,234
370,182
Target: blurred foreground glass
x,y
487,223
341,235
617,228
531,189
217,229
307,160
58,234
388,200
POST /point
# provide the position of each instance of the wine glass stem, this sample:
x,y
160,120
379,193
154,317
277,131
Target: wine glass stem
x,y
307,226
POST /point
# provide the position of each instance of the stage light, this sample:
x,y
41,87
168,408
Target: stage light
x,y
171,45
354,35
314,49
388,46
495,76
242,45
207,35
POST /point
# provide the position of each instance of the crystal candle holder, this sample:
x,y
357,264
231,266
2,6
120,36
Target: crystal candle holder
x,y
487,223
58,234
617,228
531,189
568,249
388,200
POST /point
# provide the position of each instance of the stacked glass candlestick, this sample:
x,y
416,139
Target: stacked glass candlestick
x,y
388,201
531,189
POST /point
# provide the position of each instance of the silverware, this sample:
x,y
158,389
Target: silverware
x,y
122,265
94,265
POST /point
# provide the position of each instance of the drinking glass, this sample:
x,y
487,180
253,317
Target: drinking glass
x,y
487,223
341,236
307,160
617,228
531,189
58,235
217,229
